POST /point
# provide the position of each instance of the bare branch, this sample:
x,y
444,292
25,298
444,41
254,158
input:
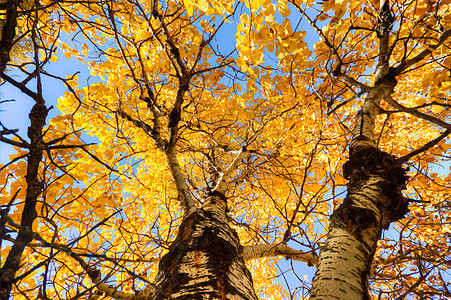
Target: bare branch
x,y
93,273
99,161
221,186
20,86
14,143
320,33
257,251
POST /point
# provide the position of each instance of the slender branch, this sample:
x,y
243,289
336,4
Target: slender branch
x,y
320,33
425,147
161,143
352,81
415,112
99,160
171,50
14,143
20,86
355,96
410,62
93,273
95,227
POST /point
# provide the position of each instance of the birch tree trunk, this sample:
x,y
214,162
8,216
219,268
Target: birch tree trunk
x,y
205,261
374,200
374,197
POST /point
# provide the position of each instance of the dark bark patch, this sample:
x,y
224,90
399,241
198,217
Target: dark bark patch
x,y
354,219
174,117
186,228
368,161
212,247
217,194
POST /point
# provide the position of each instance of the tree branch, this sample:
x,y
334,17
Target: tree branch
x,y
8,33
93,273
410,62
425,147
221,186
20,86
257,251
415,112
14,143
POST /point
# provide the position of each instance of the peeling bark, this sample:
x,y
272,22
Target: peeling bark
x,y
205,260
374,200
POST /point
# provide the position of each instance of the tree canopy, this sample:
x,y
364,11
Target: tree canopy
x,y
273,107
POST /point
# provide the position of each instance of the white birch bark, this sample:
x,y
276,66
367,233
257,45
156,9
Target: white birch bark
x,y
269,250
374,198
185,198
346,257
221,186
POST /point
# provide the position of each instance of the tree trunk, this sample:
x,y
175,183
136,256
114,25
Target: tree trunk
x,y
13,261
205,260
374,200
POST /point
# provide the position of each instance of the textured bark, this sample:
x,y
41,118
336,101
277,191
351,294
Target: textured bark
x,y
268,250
12,263
205,260
8,32
374,200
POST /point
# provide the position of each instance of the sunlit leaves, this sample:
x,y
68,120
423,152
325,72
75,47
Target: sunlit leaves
x,y
262,79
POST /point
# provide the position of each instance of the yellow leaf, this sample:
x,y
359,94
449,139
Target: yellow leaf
x,y
269,19
229,9
436,109
294,47
65,46
204,6
322,16
240,61
446,84
244,18
43,56
256,4
189,7
281,55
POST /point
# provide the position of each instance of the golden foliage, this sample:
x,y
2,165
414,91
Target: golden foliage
x,y
260,79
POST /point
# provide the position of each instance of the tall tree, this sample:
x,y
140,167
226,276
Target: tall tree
x,y
226,139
